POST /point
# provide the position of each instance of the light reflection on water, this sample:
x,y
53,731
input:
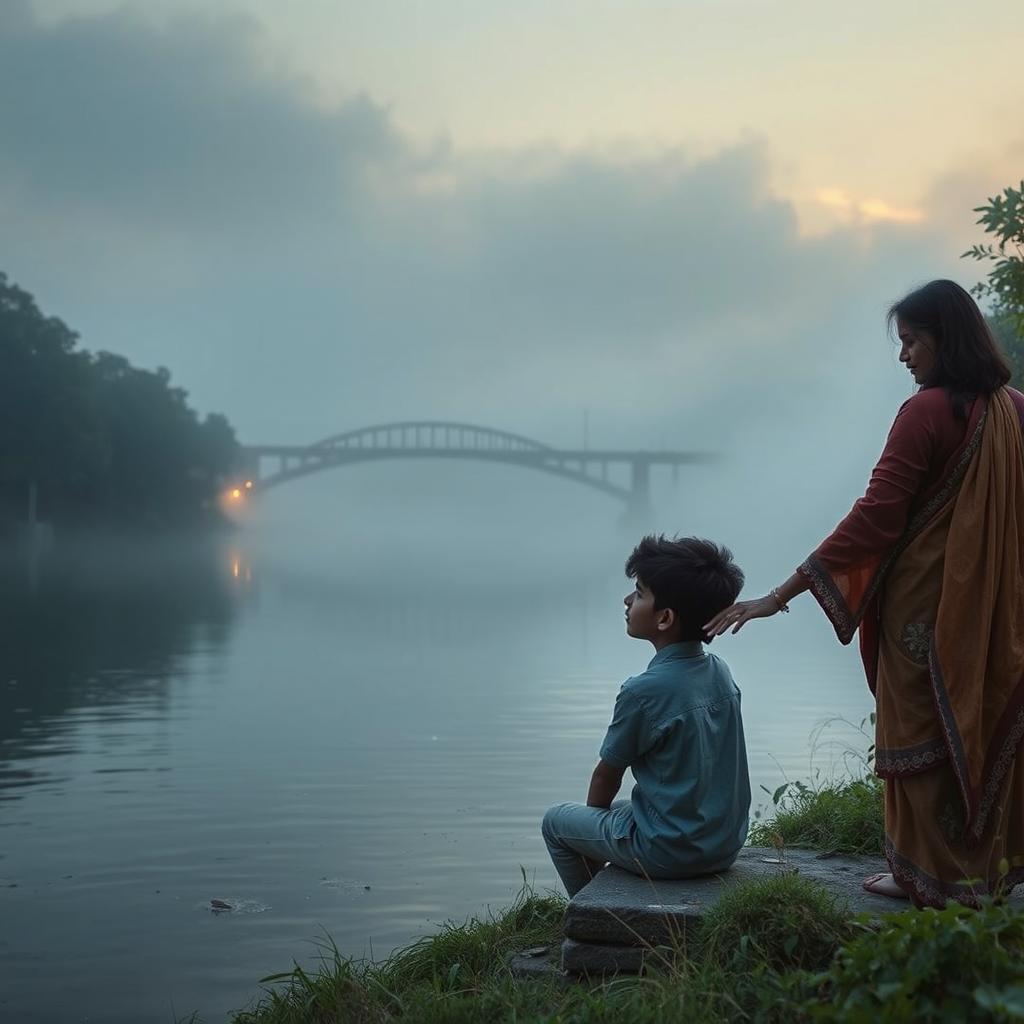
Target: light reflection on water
x,y
195,730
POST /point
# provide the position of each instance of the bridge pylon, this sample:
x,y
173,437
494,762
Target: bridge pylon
x,y
638,511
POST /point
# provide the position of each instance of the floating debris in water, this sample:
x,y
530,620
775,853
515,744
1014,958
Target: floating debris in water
x,y
235,906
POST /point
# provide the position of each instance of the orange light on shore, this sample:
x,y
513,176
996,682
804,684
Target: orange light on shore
x,y
236,493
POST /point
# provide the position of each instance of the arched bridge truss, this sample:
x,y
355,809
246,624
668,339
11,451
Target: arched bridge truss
x,y
271,465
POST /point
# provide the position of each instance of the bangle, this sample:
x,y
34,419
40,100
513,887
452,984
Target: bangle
x,y
783,607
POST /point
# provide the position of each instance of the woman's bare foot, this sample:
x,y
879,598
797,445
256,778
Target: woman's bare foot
x,y
885,885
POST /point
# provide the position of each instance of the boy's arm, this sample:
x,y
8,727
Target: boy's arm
x,y
604,784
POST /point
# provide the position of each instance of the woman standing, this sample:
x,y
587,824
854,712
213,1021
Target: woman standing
x,y
929,567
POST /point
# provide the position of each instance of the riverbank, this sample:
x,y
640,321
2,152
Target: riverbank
x,y
777,949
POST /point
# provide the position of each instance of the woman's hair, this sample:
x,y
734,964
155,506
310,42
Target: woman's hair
x,y
968,361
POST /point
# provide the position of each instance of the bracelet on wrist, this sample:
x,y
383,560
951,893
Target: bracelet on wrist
x,y
783,607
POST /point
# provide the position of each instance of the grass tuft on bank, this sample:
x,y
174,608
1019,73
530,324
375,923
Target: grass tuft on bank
x,y
835,817
430,980
783,922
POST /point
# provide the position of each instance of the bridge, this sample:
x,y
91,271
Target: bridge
x,y
271,465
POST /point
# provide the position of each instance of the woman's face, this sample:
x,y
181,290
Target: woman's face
x,y
917,350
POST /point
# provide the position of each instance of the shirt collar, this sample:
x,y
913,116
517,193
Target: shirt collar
x,y
684,649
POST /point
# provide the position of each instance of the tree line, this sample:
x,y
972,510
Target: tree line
x,y
92,441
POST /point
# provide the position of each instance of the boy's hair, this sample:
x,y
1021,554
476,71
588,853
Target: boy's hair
x,y
695,578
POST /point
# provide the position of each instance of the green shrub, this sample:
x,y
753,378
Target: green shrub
x,y
927,966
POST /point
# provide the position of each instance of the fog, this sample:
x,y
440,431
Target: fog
x,y
309,268
311,245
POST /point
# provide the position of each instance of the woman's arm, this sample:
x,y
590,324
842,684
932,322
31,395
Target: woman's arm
x,y
877,520
775,601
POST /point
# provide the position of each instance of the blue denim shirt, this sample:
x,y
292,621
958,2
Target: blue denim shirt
x,y
678,726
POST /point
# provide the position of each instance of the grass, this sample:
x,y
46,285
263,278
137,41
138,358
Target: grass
x,y
835,817
933,967
734,970
433,976
780,921
774,950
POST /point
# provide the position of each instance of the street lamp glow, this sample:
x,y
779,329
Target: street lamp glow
x,y
236,494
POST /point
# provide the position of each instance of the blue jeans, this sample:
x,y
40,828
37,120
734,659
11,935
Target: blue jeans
x,y
581,840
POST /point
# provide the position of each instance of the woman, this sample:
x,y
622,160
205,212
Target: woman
x,y
929,567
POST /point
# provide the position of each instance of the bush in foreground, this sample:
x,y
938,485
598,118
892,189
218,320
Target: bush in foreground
x,y
951,965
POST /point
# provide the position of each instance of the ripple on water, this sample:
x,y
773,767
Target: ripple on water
x,y
345,886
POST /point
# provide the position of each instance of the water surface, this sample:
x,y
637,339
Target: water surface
x,y
330,754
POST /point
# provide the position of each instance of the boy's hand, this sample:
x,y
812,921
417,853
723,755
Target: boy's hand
x,y
742,611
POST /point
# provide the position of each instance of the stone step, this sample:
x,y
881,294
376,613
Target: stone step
x,y
609,922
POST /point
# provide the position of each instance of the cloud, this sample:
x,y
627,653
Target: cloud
x,y
180,123
867,210
174,195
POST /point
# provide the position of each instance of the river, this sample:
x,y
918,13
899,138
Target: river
x,y
332,753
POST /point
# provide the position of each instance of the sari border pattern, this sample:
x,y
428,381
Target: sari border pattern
x,y
993,776
929,891
831,600
897,761
954,742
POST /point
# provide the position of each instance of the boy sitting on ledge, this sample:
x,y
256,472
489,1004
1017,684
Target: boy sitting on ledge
x,y
677,726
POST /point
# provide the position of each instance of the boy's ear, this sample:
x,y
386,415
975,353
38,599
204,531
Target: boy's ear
x,y
666,619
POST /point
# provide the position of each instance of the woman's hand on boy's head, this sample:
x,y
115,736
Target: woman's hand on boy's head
x,y
742,611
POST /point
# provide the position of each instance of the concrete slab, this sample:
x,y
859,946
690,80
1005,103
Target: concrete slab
x,y
600,958
621,909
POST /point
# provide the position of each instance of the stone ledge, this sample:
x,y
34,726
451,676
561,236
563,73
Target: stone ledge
x,y
602,958
621,909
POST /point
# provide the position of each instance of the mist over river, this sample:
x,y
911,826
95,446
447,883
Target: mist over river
x,y
360,748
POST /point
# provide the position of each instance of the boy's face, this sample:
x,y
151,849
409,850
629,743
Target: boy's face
x,y
643,620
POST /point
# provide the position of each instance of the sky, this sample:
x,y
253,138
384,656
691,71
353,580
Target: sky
x,y
683,220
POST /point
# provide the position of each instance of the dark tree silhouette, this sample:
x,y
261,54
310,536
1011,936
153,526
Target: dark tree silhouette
x,y
101,442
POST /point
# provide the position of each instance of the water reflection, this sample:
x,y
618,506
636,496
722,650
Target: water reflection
x,y
92,630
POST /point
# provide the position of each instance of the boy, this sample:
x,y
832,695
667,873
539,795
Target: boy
x,y
678,727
